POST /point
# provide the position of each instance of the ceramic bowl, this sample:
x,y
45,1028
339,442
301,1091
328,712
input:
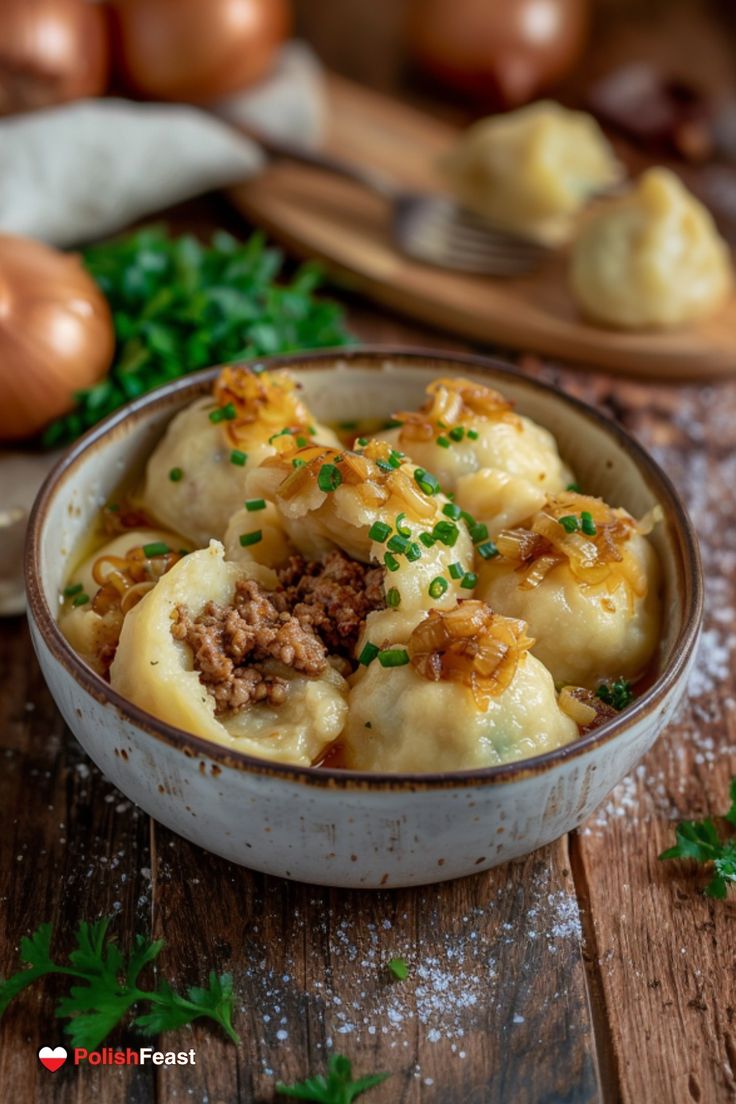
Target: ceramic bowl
x,y
336,827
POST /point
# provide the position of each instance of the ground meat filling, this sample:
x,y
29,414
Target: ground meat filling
x,y
231,644
331,597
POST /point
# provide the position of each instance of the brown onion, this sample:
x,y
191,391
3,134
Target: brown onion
x,y
56,334
51,51
196,50
501,51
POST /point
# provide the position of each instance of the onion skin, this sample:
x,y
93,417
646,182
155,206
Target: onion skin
x,y
501,52
51,52
56,334
196,50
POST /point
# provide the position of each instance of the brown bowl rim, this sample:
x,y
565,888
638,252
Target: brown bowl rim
x,y
373,355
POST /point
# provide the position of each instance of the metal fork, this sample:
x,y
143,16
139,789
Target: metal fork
x,y
430,228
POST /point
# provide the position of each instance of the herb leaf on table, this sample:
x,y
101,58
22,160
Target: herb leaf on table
x,y
338,1087
699,840
107,987
179,305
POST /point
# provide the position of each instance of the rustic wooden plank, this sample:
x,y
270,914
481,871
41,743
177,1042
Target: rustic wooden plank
x,y
496,983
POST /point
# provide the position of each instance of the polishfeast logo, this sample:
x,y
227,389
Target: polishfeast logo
x,y
53,1058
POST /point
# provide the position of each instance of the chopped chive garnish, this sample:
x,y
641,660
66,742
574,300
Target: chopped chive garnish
x,y
378,531
413,552
587,524
473,434
176,474
399,969
312,430
487,550
251,538
393,598
369,653
297,462
402,529
253,504
478,532
443,442
467,518
393,657
391,562
426,482
427,540
573,487
395,459
285,432
569,523
384,465
81,600
446,532
329,478
452,511
301,442
469,580
72,589
362,441
456,570
457,433
156,548
238,457
438,587
397,543
224,413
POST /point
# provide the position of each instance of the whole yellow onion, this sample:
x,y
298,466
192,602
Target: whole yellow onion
x,y
56,334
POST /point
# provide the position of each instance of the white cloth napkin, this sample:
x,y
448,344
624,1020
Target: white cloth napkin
x,y
81,172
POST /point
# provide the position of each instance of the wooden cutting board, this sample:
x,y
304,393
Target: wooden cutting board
x,y
316,214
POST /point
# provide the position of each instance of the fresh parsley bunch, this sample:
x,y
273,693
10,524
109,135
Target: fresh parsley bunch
x,y
179,305
106,987
338,1087
699,840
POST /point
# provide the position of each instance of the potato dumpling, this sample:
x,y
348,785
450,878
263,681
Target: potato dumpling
x,y
463,693
156,671
195,477
651,260
377,508
256,534
498,499
112,579
586,580
532,170
463,427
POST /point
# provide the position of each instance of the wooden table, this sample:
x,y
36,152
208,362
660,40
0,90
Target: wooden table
x,y
586,972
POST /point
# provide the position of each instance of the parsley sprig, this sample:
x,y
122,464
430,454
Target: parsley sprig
x,y
617,693
699,840
107,987
338,1087
179,305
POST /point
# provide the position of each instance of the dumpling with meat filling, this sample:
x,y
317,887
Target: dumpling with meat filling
x,y
463,427
377,508
209,652
107,585
586,579
452,689
195,477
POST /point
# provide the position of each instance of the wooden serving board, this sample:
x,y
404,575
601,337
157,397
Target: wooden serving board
x,y
316,214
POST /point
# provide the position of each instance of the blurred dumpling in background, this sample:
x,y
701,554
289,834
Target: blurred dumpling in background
x,y
195,477
586,580
532,170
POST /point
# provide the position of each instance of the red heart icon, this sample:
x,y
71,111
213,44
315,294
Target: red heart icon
x,y
52,1059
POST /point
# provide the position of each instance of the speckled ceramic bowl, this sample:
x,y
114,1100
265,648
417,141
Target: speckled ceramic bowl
x,y
340,827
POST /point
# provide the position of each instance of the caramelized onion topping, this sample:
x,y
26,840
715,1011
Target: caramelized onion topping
x,y
585,708
123,580
469,644
452,402
264,402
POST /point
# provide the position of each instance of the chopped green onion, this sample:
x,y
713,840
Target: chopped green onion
x,y
251,538
573,487
456,570
413,552
426,482
224,413
487,550
402,529
81,600
473,434
469,580
253,504
478,532
297,462
239,458
395,459
443,442
397,543
369,653
399,969
447,532
391,562
301,442
393,598
176,474
156,548
587,524
393,657
569,523
452,511
427,540
437,587
362,441
72,589
384,465
378,531
312,430
329,478
457,433
285,432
